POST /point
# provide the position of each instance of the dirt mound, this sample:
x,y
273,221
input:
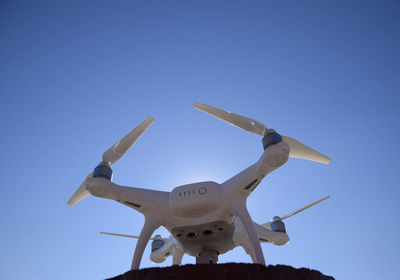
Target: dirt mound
x,y
228,271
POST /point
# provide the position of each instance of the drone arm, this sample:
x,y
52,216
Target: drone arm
x,y
142,200
150,225
242,183
266,235
246,181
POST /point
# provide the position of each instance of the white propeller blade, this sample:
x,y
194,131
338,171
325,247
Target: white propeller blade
x,y
268,225
114,153
80,193
239,121
304,208
297,149
122,235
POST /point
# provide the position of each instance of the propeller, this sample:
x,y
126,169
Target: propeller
x,y
130,236
268,225
297,149
80,193
111,156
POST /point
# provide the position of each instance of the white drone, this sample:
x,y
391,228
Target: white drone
x,y
205,219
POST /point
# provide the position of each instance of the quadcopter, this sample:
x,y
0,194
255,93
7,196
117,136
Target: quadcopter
x,y
205,219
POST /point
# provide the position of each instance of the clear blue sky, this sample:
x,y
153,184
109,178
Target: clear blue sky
x,y
75,76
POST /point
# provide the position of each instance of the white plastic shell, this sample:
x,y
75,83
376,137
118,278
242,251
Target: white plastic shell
x,y
195,200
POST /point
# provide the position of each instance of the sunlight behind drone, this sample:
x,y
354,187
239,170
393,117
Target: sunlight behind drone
x,y
201,174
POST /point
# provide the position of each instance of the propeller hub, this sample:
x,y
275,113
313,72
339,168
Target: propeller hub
x,y
103,171
271,138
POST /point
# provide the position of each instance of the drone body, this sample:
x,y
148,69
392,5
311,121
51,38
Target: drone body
x,y
205,219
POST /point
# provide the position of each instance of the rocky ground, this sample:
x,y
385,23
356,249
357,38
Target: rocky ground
x,y
228,271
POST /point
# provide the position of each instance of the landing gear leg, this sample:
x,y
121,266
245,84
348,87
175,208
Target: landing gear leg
x,y
149,226
244,216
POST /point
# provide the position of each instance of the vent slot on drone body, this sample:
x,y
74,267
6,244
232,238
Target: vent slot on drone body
x,y
133,204
251,184
256,185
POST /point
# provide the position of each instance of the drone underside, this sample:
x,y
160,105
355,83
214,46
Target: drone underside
x,y
215,236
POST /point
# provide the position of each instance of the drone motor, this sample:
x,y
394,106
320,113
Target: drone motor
x,y
157,243
277,225
104,171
